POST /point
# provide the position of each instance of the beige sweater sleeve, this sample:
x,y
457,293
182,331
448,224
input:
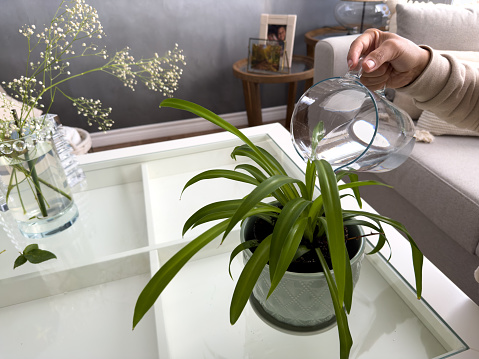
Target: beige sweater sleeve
x,y
448,88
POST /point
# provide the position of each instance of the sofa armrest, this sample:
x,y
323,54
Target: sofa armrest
x,y
330,57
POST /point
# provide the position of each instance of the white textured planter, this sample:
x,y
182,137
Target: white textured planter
x,y
301,302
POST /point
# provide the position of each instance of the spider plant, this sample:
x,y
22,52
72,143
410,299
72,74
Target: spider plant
x,y
299,215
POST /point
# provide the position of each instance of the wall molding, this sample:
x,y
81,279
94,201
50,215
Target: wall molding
x,y
175,128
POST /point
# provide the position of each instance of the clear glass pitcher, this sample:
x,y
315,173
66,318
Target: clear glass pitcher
x,y
341,121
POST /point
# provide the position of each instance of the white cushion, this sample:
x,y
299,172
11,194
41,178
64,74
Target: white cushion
x,y
436,126
428,121
441,26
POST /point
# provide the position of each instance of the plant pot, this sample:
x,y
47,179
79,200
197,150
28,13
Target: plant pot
x,y
37,192
301,303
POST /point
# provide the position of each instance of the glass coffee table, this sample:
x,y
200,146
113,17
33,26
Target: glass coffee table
x,y
131,217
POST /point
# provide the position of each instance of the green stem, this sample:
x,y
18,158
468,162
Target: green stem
x,y
58,190
19,192
26,173
36,181
34,175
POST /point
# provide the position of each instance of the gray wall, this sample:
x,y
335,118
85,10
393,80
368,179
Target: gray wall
x,y
212,33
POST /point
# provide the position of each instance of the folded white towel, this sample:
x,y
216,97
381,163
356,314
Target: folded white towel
x,y
71,135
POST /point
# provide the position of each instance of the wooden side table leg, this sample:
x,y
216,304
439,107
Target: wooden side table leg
x,y
307,84
252,100
292,89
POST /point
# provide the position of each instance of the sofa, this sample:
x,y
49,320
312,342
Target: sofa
x,y
436,191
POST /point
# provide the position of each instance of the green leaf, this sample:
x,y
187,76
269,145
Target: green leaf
x,y
30,248
248,278
207,115
348,293
302,250
334,219
317,136
289,250
34,255
353,177
378,229
228,174
281,252
417,256
360,184
37,255
21,259
241,247
254,171
315,211
271,166
256,195
345,339
168,271
220,206
310,180
223,209
213,118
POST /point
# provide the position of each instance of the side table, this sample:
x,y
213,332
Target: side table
x,y
302,68
313,36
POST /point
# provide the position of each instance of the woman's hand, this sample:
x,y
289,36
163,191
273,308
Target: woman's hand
x,y
389,60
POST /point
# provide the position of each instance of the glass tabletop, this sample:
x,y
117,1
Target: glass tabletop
x,y
131,218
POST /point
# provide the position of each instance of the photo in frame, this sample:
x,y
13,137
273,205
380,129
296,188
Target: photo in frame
x,y
280,28
266,56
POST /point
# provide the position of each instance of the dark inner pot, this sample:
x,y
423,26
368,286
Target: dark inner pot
x,y
259,229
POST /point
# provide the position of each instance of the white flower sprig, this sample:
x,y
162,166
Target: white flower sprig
x,y
51,50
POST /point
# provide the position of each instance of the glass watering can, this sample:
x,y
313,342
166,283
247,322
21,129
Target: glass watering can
x,y
341,121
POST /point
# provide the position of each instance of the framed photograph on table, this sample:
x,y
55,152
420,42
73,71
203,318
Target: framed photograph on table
x,y
279,28
264,57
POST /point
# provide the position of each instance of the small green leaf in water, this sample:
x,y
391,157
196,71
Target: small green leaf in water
x,y
318,135
36,256
21,259
30,247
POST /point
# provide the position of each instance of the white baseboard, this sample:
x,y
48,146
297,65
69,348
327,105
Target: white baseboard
x,y
175,128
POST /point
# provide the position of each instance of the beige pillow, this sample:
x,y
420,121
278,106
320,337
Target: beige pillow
x,y
434,125
441,26
392,21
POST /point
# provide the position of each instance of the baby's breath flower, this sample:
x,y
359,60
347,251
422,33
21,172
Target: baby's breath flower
x,y
76,22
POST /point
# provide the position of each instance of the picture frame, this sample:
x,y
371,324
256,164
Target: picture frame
x,y
267,57
279,28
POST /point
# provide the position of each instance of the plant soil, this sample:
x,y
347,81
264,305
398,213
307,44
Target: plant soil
x,y
308,262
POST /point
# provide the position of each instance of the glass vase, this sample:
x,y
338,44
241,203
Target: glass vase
x,y
357,16
36,189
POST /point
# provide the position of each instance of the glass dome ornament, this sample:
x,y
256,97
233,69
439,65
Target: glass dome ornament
x,y
341,121
357,16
